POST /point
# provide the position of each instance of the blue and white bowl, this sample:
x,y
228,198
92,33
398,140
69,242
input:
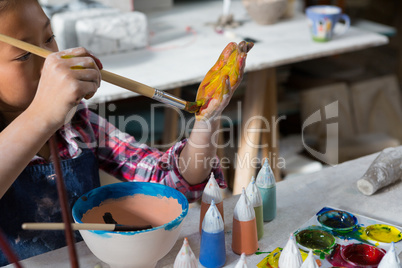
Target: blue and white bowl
x,y
137,248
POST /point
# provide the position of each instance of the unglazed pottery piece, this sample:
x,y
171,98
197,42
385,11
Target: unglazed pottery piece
x,y
242,263
391,259
290,255
185,258
310,261
385,169
211,192
132,203
265,11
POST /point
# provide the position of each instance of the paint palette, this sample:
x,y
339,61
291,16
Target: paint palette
x,y
343,239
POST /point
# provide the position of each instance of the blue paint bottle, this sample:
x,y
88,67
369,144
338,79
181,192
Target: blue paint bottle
x,y
212,249
267,186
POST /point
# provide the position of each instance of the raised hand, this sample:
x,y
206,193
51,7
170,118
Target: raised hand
x,y
219,84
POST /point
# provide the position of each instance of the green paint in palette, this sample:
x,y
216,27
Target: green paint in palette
x,y
315,239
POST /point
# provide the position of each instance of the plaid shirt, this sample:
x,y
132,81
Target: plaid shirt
x,y
120,155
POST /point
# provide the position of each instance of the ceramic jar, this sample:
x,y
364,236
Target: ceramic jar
x,y
265,12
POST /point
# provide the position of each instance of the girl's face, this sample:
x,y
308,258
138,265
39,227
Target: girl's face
x,y
20,71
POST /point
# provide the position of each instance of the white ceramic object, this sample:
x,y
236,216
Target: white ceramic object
x,y
63,24
290,256
242,263
265,11
131,249
213,222
185,258
243,210
384,170
390,259
265,177
253,194
113,33
310,261
212,191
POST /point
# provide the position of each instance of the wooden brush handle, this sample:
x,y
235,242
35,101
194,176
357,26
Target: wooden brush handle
x,y
112,78
83,226
127,83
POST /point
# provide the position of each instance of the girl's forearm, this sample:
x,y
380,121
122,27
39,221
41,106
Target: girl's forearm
x,y
19,142
199,154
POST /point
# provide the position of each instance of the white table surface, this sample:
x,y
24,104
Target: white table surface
x,y
298,199
185,58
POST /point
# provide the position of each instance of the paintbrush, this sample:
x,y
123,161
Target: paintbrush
x,y
115,79
84,226
65,208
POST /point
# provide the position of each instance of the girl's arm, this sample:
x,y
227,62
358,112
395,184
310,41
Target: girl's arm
x,y
214,94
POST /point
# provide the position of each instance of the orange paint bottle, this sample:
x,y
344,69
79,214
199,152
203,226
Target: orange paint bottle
x,y
244,233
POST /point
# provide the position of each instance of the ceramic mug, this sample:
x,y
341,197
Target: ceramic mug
x,y
322,21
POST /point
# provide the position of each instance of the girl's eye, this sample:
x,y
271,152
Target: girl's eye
x,y
24,57
51,39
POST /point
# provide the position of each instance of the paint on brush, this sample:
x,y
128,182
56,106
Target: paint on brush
x,y
244,234
320,241
212,249
242,263
391,259
185,258
310,261
211,192
255,198
290,256
266,184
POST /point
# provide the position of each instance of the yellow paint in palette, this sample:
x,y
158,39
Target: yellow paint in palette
x,y
272,260
381,233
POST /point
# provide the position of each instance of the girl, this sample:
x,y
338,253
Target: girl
x,y
35,97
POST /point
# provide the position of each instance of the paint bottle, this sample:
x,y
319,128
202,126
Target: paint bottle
x,y
266,184
212,249
310,261
390,259
211,192
185,258
244,233
290,256
254,195
242,262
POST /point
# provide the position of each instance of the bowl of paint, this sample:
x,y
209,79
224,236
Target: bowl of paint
x,y
362,255
381,234
132,203
337,220
317,240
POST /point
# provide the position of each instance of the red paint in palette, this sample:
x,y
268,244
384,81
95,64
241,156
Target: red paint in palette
x,y
356,255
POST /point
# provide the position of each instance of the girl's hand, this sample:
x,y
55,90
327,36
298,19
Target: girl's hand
x,y
67,77
219,84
